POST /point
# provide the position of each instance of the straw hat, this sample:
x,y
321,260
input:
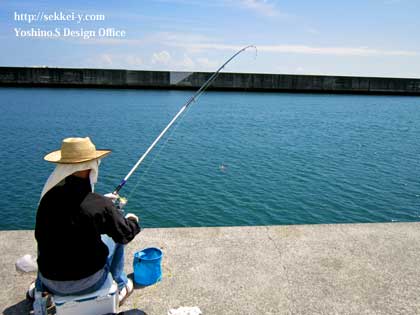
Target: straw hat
x,y
76,150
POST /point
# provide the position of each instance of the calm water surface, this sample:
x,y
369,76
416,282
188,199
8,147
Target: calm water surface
x,y
235,158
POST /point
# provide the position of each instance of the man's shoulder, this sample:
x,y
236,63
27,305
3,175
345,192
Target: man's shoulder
x,y
94,202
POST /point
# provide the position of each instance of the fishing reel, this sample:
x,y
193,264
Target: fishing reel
x,y
118,201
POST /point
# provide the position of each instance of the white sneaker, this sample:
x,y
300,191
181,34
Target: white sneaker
x,y
30,294
125,292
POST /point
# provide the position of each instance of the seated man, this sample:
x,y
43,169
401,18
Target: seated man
x,y
80,234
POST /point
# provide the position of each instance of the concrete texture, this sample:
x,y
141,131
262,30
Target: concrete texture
x,y
312,269
104,78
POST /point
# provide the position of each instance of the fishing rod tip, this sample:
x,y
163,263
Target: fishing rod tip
x,y
256,50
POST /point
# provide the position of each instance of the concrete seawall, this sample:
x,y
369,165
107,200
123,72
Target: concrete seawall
x,y
102,78
307,269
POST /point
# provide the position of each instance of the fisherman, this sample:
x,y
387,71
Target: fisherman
x,y
80,234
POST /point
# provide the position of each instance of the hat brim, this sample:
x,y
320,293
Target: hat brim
x,y
55,157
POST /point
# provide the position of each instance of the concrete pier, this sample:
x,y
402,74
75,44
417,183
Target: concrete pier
x,y
105,78
307,269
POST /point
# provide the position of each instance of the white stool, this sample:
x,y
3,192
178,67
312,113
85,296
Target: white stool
x,y
102,301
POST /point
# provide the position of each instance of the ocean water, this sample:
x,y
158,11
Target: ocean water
x,y
233,159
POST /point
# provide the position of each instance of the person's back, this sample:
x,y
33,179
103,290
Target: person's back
x,y
69,245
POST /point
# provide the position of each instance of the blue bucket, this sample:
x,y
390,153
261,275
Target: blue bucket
x,y
147,266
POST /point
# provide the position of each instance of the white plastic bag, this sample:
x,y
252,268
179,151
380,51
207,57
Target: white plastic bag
x,y
26,263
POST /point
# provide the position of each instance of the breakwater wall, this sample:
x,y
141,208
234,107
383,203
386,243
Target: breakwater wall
x,y
104,78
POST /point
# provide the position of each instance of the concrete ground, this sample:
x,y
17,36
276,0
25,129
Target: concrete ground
x,y
312,269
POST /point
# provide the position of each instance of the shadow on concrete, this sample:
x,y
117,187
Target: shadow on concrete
x,y
136,286
132,312
23,307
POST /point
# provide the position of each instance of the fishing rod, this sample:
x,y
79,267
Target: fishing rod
x,y
183,108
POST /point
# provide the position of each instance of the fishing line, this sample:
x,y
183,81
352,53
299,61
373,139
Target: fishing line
x,y
192,99
146,170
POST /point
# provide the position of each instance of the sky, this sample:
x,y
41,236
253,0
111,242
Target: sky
x,y
351,38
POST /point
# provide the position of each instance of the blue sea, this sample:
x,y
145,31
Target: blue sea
x,y
235,158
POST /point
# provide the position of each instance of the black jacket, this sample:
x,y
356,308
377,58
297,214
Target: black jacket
x,y
69,224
